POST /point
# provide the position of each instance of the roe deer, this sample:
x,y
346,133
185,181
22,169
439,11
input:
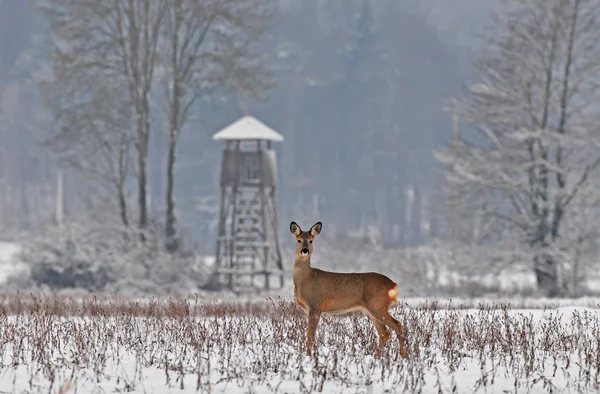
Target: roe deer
x,y
318,291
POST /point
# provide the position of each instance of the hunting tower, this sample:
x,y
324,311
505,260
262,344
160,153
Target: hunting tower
x,y
248,242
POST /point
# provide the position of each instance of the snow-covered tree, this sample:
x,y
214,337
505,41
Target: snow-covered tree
x,y
534,143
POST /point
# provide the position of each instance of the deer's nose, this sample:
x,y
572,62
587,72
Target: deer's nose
x,y
304,251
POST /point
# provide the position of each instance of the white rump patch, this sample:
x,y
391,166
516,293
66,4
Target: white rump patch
x,y
393,294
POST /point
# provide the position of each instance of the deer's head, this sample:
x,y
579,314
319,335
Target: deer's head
x,y
304,239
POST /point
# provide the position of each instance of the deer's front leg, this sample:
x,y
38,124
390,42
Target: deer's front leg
x,y
313,322
299,301
302,305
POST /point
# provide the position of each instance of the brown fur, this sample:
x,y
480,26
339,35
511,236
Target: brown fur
x,y
318,291
66,387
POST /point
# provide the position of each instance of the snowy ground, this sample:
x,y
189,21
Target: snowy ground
x,y
9,264
182,346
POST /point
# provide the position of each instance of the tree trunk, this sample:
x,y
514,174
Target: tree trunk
x,y
123,207
546,273
174,127
122,175
171,220
143,129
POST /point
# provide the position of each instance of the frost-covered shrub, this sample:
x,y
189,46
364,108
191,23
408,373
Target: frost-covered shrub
x,y
105,257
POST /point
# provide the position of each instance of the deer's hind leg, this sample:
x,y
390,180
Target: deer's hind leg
x,y
382,315
384,334
395,325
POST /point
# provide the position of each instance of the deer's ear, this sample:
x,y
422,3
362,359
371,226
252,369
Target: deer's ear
x,y
316,229
295,229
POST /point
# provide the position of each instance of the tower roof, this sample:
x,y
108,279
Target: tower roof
x,y
248,128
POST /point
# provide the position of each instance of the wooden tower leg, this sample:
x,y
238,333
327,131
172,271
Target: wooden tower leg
x,y
234,205
275,239
221,250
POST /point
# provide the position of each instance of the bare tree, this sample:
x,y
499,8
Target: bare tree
x,y
93,136
535,140
116,41
210,45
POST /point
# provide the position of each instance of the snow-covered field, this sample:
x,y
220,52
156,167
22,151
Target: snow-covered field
x,y
102,345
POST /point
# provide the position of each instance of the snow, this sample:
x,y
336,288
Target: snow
x,y
248,128
241,353
7,251
209,260
9,263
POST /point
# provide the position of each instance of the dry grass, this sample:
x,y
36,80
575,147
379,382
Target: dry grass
x,y
261,344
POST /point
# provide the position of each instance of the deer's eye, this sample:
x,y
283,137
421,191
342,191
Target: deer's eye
x,y
310,241
299,241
